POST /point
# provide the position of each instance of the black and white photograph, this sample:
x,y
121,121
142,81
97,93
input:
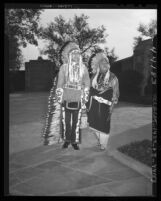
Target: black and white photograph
x,y
82,99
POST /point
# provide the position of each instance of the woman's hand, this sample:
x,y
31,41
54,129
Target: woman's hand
x,y
111,108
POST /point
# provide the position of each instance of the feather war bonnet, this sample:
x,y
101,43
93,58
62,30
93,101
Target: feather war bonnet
x,y
69,46
96,60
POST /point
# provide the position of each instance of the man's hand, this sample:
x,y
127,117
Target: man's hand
x,y
59,95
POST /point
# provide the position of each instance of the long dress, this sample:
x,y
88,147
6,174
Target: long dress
x,y
98,115
100,104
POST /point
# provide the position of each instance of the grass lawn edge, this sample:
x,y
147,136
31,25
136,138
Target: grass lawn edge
x,y
132,163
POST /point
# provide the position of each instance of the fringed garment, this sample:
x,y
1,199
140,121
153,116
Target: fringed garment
x,y
72,96
52,132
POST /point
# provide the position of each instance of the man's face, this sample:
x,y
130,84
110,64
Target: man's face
x,y
104,66
75,56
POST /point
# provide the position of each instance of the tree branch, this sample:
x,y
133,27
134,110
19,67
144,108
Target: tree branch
x,y
87,48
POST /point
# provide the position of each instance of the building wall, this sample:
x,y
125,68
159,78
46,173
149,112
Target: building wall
x,y
116,68
16,81
140,62
142,56
122,65
127,64
39,75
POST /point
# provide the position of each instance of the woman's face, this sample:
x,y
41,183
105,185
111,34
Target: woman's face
x,y
104,66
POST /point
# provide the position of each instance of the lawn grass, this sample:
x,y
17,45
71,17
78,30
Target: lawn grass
x,y
139,150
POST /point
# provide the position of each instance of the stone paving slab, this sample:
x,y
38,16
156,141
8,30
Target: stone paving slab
x,y
118,175
18,135
27,112
31,157
71,157
97,190
92,191
59,179
28,173
15,166
97,162
138,186
73,194
127,117
13,180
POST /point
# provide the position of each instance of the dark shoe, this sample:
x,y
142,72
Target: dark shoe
x,y
65,145
75,146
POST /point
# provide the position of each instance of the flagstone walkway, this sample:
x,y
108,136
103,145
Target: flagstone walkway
x,y
35,169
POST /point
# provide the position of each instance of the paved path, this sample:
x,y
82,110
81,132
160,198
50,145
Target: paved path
x,y
48,170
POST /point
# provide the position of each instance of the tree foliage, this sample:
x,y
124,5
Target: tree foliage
x,y
21,27
148,30
111,54
77,30
22,24
15,54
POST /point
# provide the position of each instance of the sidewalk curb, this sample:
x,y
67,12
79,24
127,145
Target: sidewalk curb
x,y
132,163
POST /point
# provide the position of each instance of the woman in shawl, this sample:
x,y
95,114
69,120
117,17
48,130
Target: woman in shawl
x,y
104,93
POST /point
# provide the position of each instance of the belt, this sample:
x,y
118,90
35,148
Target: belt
x,y
71,107
102,100
70,86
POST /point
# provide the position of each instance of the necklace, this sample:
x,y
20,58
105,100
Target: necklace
x,y
101,85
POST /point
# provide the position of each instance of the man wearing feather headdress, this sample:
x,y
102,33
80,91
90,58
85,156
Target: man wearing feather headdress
x,y
72,93
104,93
